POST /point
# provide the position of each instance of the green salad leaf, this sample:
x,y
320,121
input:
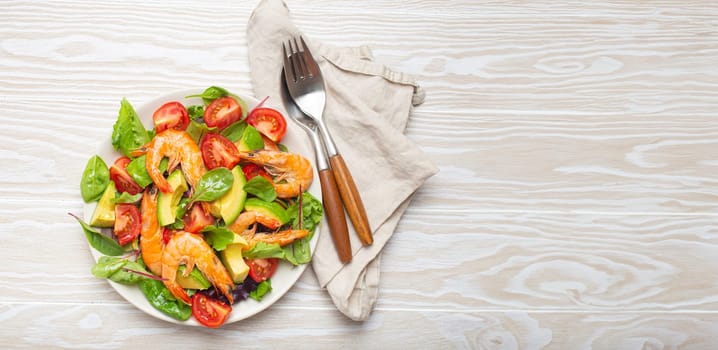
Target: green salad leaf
x,y
218,237
262,289
137,169
125,197
212,185
100,242
162,299
94,180
128,133
262,188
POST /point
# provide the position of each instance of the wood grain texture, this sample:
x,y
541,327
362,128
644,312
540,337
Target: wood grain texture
x,y
576,205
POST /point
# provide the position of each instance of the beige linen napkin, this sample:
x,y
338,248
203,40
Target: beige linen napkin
x,y
367,110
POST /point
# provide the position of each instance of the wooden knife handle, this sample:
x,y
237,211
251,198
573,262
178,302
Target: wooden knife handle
x,y
352,201
335,215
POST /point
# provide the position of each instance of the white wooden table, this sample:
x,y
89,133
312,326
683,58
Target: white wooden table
x,y
576,207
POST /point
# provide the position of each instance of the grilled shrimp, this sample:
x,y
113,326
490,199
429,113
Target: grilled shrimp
x,y
151,233
191,250
292,171
181,149
245,226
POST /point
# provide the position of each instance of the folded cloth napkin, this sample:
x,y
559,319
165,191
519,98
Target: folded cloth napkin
x,y
367,110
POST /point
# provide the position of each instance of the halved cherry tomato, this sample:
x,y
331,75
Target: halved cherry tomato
x,y
166,235
122,179
171,115
197,219
269,144
269,122
208,311
222,112
261,269
127,223
251,170
218,151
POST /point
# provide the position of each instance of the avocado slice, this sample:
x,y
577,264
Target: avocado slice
x,y
251,140
167,202
231,204
234,262
195,279
104,214
269,210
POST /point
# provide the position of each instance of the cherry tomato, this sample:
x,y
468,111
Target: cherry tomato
x,y
218,151
261,269
197,219
269,144
269,122
127,223
166,235
208,311
251,170
222,112
122,179
171,115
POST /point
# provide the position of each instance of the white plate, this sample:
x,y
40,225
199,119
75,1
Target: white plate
x,y
286,275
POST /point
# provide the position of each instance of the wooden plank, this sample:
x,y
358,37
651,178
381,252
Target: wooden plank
x,y
117,326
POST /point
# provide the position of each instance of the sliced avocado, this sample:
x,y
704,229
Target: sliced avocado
x,y
195,279
231,204
104,214
268,210
251,140
167,202
233,260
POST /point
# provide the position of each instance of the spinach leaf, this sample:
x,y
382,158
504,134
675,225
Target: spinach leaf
x,y
162,299
213,185
212,93
252,139
262,289
125,197
234,131
262,188
95,179
114,269
196,112
264,250
218,237
299,252
128,133
100,242
138,170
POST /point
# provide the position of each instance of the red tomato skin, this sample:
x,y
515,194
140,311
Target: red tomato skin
x,y
262,269
128,223
218,151
269,122
209,312
222,112
251,170
196,219
171,115
122,179
166,235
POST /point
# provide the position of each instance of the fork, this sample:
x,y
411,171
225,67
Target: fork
x,y
306,87
331,199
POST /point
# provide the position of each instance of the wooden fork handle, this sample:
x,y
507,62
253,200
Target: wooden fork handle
x,y
352,201
335,215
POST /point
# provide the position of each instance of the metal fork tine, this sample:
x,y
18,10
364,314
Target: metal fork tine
x,y
311,63
297,59
289,74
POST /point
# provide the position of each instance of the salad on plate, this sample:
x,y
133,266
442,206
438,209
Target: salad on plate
x,y
205,215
